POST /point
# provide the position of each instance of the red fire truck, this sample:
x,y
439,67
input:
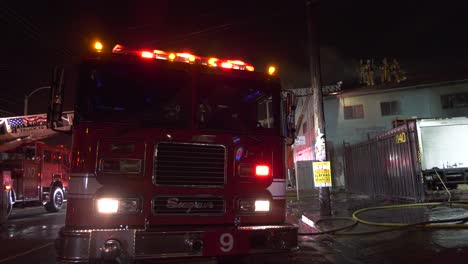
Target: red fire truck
x,y
174,156
36,172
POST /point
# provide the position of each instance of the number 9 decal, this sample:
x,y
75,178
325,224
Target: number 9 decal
x,y
227,242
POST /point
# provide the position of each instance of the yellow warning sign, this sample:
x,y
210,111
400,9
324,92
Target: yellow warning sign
x,y
322,174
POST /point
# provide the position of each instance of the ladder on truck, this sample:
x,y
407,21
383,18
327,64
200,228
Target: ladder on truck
x,y
17,130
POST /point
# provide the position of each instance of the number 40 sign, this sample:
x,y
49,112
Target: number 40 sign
x,y
322,174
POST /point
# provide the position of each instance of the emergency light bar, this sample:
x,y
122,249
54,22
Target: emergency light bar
x,y
186,58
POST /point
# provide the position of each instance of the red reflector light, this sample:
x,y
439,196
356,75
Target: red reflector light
x,y
262,170
147,54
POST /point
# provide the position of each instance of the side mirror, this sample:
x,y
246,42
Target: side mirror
x,y
55,109
290,110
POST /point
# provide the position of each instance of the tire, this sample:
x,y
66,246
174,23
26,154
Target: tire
x,y
56,200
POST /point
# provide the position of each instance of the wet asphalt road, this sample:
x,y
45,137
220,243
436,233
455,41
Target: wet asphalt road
x,y
29,236
31,231
415,245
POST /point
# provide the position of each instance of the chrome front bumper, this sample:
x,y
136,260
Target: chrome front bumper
x,y
127,245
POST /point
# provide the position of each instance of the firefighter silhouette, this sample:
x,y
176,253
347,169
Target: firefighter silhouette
x,y
362,72
385,71
370,73
397,74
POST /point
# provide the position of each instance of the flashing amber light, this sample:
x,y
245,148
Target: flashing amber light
x,y
226,65
7,187
147,54
213,62
98,46
159,52
262,170
172,56
249,68
271,70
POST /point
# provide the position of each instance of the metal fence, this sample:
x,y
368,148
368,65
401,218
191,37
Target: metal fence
x,y
387,165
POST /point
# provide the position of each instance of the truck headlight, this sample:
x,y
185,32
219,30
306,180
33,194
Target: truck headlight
x,y
262,206
114,205
254,206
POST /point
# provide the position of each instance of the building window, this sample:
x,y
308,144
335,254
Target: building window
x,y
390,108
354,112
457,100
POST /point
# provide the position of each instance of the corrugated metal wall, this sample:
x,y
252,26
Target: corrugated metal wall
x,y
386,166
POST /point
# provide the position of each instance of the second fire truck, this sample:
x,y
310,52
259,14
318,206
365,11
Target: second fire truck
x,y
175,156
36,173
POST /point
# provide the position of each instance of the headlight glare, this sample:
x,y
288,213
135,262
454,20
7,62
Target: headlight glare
x,y
117,205
254,206
262,206
107,206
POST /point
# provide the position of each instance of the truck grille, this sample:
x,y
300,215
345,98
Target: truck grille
x,y
188,205
189,164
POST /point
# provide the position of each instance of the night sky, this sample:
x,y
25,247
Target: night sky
x,y
429,38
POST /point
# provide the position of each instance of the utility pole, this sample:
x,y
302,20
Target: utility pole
x,y
312,9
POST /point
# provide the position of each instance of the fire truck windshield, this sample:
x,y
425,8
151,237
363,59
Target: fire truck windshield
x,y
162,97
124,93
236,104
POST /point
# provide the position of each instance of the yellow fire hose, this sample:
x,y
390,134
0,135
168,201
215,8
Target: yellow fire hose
x,y
392,226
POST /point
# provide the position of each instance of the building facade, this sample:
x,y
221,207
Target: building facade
x,y
355,116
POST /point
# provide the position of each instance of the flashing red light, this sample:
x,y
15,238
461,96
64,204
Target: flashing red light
x,y
262,170
226,65
147,54
185,57
7,187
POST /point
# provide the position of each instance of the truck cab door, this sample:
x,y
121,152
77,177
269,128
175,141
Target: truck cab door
x,y
31,180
